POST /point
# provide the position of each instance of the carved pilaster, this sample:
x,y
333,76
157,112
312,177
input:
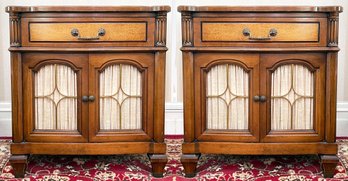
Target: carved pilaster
x,y
15,32
161,29
333,30
187,29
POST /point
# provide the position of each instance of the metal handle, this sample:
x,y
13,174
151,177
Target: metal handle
x,y
272,33
88,98
85,98
75,33
262,98
91,98
259,98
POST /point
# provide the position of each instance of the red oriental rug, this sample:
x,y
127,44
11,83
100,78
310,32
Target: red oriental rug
x,y
137,167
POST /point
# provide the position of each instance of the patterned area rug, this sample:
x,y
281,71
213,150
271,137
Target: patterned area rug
x,y
137,167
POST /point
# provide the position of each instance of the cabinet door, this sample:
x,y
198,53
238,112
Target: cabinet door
x,y
224,87
122,85
52,87
294,85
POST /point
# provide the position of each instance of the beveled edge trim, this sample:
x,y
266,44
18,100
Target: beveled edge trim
x,y
262,148
26,9
103,49
257,49
260,9
110,148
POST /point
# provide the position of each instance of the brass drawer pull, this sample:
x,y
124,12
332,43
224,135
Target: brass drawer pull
x,y
75,33
272,33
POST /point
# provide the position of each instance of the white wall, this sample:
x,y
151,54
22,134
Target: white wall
x,y
174,67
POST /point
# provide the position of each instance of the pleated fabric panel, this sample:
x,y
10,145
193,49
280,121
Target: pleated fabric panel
x,y
55,98
227,96
292,98
120,89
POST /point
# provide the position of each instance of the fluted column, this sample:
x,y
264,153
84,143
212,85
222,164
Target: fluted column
x,y
161,29
333,29
187,29
15,32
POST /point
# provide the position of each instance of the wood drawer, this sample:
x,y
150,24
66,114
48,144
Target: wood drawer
x,y
269,32
135,31
295,32
88,32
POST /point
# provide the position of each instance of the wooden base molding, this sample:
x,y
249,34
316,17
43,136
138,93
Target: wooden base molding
x,y
88,148
259,148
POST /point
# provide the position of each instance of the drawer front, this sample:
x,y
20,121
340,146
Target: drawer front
x,y
41,32
244,32
88,32
265,32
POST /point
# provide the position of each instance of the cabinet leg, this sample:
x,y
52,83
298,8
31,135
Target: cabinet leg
x,y
19,164
158,162
328,164
189,162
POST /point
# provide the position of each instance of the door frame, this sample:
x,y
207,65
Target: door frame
x,y
203,62
145,64
315,62
33,62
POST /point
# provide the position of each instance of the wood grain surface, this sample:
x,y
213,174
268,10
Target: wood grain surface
x,y
135,31
226,31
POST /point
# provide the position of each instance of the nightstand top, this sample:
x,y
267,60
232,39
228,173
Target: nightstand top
x,y
260,8
27,9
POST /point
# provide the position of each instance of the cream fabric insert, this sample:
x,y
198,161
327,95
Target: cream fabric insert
x,y
227,97
55,98
292,98
120,97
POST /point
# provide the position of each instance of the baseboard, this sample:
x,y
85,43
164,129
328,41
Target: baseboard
x,y
173,116
342,119
5,119
174,124
174,119
5,107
